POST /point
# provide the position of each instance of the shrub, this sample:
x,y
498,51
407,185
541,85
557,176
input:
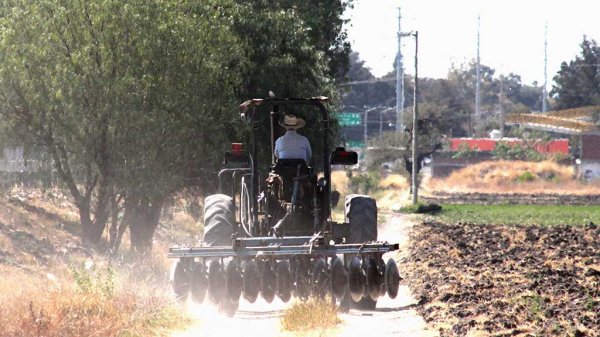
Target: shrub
x,y
527,177
364,182
313,314
465,151
520,151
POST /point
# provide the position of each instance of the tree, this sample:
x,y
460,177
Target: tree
x,y
118,93
325,22
137,99
366,90
282,57
577,83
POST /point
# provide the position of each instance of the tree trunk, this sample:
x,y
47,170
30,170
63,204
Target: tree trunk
x,y
86,220
144,217
113,230
91,229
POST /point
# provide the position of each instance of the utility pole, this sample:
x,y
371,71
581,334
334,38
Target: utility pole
x,y
415,157
501,99
544,93
399,82
415,152
365,135
478,70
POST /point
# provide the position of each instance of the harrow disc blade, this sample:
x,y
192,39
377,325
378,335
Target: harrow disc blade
x,y
234,280
268,282
356,279
320,278
284,281
228,306
216,282
302,280
251,281
199,283
181,280
392,278
373,279
339,277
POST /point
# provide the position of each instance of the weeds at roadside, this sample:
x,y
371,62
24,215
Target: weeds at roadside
x,y
84,302
310,315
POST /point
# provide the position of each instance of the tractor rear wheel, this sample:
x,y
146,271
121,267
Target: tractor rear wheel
x,y
219,220
361,214
219,226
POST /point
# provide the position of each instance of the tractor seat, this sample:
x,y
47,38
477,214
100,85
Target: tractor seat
x,y
290,165
288,169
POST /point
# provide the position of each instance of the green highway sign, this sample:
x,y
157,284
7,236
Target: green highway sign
x,y
355,143
349,118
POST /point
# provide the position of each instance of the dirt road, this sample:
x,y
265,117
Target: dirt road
x,y
391,317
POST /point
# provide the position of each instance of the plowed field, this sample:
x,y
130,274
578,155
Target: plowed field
x,y
489,280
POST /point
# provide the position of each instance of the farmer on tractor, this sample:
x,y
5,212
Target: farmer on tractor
x,y
291,178
292,145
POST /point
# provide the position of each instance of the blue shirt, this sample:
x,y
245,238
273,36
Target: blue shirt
x,y
292,146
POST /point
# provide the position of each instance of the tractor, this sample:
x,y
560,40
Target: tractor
x,y
269,230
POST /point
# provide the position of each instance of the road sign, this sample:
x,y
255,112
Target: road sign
x,y
349,118
355,144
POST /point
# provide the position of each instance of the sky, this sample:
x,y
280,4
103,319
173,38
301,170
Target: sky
x,y
511,34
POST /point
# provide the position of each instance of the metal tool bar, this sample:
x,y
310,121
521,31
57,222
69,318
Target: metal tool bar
x,y
263,251
271,241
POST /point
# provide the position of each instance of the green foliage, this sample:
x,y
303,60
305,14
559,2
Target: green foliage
x,y
527,177
546,215
124,96
577,83
387,147
290,49
465,151
134,100
536,305
364,183
95,281
519,151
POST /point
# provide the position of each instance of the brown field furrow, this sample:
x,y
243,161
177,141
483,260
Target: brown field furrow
x,y
487,280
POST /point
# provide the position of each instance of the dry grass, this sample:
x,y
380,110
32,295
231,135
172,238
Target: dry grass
x,y
340,182
513,177
83,302
394,181
394,192
310,315
390,194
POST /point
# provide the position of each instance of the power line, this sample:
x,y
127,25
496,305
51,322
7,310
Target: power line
x,y
375,80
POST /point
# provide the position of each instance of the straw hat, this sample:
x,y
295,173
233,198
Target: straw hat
x,y
291,122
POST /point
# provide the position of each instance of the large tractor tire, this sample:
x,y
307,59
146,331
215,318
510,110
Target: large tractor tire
x,y
219,220
219,225
361,214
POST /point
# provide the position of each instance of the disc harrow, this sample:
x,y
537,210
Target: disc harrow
x,y
275,268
